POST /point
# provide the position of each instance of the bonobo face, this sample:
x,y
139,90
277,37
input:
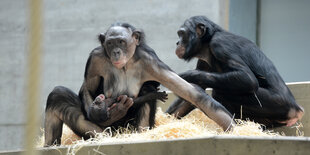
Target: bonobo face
x,y
120,44
182,43
189,44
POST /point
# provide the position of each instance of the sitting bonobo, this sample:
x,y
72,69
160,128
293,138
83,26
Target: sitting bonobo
x,y
243,79
124,67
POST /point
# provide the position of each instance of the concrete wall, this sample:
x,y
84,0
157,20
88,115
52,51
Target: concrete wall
x,y
70,32
284,36
281,28
242,18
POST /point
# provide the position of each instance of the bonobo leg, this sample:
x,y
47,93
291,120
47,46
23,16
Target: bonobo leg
x,y
180,108
146,106
146,116
264,107
146,110
64,106
142,114
272,107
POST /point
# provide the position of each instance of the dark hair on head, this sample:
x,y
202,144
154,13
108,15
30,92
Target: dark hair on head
x,y
191,24
210,26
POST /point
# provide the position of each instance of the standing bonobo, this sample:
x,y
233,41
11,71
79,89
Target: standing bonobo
x,y
122,68
241,76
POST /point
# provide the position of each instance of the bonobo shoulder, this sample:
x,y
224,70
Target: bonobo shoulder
x,y
99,52
220,37
150,58
219,46
143,55
97,57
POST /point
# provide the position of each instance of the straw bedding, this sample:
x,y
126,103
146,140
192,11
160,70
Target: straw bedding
x,y
195,124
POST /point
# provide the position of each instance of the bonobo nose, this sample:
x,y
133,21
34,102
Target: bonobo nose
x,y
117,52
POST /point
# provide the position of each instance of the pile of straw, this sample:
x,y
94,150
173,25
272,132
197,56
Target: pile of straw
x,y
195,124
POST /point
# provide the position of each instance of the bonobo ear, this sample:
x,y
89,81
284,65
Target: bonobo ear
x,y
137,34
201,30
101,38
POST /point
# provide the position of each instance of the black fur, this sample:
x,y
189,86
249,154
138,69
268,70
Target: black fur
x,y
239,73
194,41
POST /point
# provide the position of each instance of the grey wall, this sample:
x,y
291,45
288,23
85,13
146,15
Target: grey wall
x,y
242,18
70,32
12,71
281,28
284,37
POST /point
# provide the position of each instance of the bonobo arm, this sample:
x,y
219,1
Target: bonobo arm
x,y
180,87
239,77
150,96
91,82
85,93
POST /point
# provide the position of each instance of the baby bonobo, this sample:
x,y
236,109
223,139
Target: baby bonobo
x,y
105,112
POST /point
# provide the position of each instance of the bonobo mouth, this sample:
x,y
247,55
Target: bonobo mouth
x,y
179,54
118,64
180,51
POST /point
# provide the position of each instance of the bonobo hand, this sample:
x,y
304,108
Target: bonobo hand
x,y
119,109
196,77
105,112
162,96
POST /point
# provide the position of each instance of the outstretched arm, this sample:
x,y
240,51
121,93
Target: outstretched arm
x,y
201,100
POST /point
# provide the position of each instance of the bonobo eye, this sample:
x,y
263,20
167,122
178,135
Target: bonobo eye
x,y
122,42
181,33
109,43
178,42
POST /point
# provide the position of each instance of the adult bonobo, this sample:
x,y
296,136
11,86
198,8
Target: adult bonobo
x,y
241,76
122,68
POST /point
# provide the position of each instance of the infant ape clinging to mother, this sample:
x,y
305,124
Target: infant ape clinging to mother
x,y
106,111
